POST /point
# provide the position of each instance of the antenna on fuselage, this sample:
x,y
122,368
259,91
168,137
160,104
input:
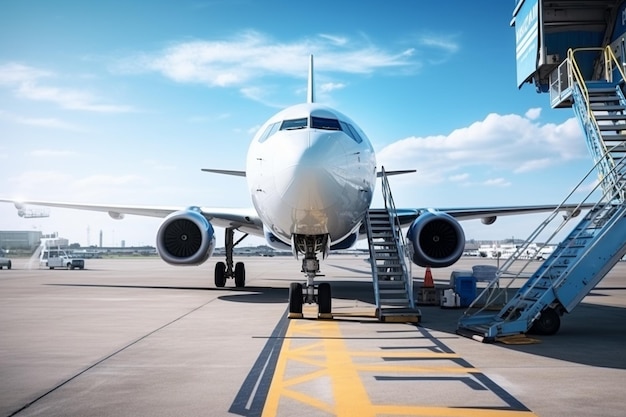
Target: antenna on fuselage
x,y
310,97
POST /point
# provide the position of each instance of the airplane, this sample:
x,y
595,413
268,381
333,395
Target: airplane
x,y
311,173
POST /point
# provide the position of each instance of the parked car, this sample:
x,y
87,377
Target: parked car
x,y
4,261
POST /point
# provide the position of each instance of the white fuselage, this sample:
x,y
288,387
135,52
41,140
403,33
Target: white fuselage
x,y
311,171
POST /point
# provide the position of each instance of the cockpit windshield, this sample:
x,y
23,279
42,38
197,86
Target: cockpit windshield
x,y
294,124
323,123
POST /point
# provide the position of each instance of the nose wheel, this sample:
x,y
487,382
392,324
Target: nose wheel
x,y
310,293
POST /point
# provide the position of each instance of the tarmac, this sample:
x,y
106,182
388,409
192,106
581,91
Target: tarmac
x,y
137,337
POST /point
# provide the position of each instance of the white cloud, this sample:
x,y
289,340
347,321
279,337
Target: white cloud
x,y
499,143
26,83
45,122
497,182
158,165
52,153
107,181
460,177
533,114
14,73
48,122
444,44
251,55
328,87
334,39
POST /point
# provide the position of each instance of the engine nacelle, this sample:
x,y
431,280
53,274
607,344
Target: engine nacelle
x,y
437,240
185,237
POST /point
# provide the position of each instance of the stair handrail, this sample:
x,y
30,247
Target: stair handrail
x,y
609,63
398,237
493,290
370,245
577,76
609,60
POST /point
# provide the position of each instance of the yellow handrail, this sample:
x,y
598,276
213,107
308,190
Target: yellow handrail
x,y
609,60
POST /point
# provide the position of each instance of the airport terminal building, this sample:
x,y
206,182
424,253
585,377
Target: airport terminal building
x,y
20,239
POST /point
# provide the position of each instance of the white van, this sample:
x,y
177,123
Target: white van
x,y
58,258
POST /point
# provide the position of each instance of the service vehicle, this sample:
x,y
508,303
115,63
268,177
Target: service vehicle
x,y
58,258
4,261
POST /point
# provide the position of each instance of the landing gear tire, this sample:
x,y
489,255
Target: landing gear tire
x,y
240,275
295,300
220,274
547,324
324,301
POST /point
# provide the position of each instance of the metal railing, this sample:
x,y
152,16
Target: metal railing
x,y
494,293
398,237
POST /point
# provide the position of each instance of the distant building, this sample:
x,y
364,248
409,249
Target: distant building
x,y
20,239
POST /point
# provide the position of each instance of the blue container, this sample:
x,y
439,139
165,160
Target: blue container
x,y
466,288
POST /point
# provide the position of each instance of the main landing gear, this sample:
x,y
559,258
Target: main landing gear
x,y
223,271
309,292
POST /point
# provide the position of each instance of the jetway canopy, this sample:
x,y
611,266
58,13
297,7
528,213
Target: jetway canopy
x,y
545,30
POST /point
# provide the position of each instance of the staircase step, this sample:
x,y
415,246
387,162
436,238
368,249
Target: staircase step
x,y
394,301
613,126
602,98
606,107
614,137
610,117
386,284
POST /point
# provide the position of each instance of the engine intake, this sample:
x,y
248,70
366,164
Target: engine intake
x,y
185,237
437,240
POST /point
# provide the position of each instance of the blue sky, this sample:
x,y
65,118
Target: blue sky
x,y
124,102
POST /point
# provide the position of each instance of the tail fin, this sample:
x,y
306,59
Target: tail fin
x,y
310,97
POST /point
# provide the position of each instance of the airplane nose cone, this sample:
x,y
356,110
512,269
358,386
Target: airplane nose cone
x,y
310,179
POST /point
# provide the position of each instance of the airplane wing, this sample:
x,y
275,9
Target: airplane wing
x,y
243,173
245,220
489,214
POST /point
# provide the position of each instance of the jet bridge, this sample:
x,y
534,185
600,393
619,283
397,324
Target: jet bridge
x,y
589,78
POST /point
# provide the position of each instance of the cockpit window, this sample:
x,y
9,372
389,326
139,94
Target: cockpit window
x,y
294,124
269,131
324,123
351,131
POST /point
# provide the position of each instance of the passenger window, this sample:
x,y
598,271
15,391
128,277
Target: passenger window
x,y
324,123
294,124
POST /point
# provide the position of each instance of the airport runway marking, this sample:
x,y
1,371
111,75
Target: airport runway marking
x,y
316,371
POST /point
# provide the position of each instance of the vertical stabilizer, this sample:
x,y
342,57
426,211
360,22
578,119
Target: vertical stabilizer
x,y
310,97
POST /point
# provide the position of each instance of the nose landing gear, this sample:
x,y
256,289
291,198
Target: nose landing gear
x,y
309,292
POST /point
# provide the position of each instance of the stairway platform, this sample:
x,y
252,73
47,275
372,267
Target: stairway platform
x,y
399,314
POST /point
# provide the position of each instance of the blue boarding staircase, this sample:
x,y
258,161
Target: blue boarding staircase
x,y
591,249
391,268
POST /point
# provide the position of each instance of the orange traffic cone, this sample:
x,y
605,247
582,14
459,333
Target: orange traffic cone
x,y
428,279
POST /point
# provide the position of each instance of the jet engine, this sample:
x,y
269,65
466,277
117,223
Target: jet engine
x,y
437,240
185,237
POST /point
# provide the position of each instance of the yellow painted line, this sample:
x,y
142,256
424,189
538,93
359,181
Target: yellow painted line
x,y
384,354
328,357
415,369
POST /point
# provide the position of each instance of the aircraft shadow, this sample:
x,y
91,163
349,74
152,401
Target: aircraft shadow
x,y
591,335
